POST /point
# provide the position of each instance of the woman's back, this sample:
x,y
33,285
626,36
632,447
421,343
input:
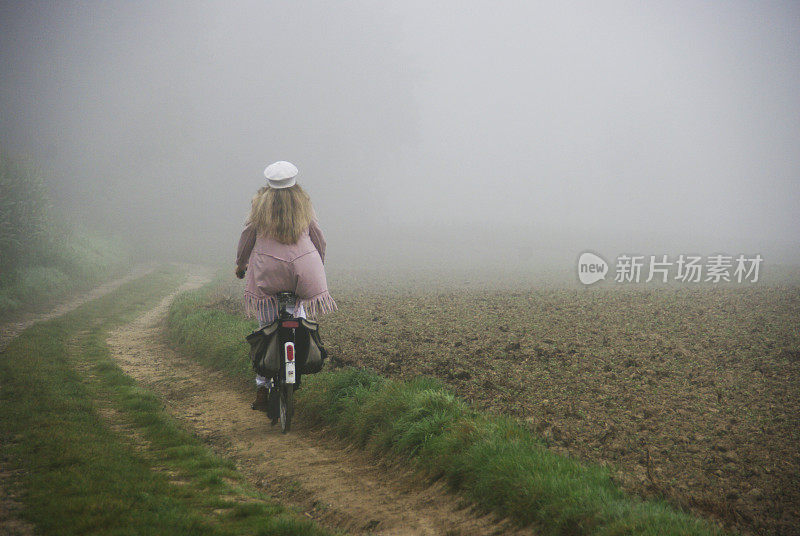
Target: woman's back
x,y
282,248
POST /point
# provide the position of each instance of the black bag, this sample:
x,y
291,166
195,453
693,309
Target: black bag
x,y
311,355
266,352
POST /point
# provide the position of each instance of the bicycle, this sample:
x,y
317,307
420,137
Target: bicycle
x,y
285,381
284,351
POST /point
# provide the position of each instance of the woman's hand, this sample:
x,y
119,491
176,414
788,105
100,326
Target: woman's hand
x,y
240,273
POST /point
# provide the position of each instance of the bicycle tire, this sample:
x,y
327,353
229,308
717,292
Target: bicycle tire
x,y
287,406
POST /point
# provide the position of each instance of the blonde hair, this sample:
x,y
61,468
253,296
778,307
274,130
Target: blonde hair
x,y
282,213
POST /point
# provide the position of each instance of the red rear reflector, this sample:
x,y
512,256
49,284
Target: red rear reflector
x,y
290,324
289,352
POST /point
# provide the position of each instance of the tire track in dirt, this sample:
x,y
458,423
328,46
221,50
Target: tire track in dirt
x,y
340,486
10,330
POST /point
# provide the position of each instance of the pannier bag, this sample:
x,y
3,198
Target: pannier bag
x,y
266,355
311,355
265,352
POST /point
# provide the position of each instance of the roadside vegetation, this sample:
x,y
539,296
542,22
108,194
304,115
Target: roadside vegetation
x,y
494,460
43,256
97,454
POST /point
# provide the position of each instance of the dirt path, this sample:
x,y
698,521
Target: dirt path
x,y
10,330
341,487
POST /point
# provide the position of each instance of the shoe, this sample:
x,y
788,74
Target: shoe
x,y
260,403
273,406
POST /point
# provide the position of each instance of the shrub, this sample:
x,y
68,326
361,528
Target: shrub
x,y
24,214
42,256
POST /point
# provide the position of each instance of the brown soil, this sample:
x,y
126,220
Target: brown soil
x,y
692,394
341,487
10,523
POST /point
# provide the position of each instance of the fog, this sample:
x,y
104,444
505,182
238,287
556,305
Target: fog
x,y
513,134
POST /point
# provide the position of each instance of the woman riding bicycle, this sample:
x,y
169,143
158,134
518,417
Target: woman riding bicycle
x,y
282,248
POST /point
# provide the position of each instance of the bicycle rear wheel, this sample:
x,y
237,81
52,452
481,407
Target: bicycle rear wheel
x,y
286,406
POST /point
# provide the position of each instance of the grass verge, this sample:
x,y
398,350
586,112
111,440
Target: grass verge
x,y
493,460
98,454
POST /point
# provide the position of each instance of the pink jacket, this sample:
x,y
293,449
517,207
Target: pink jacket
x,y
273,267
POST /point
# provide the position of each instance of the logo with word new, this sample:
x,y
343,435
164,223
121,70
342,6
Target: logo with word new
x,y
717,268
591,268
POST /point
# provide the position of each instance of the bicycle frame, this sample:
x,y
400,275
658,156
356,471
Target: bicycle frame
x,y
286,378
286,335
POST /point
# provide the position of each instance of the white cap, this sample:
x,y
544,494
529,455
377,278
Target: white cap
x,y
281,174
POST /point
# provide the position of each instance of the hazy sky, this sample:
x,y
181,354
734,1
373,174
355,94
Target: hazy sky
x,y
633,124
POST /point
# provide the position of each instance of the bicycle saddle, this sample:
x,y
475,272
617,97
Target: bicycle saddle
x,y
286,298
